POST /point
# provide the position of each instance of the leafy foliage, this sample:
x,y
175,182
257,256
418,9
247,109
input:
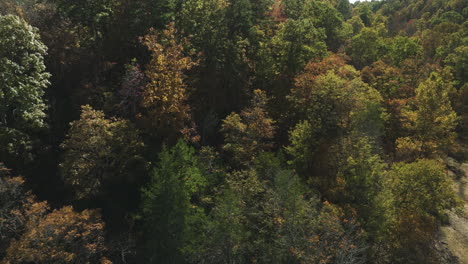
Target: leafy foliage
x,y
366,47
23,80
419,193
100,151
18,208
433,120
166,93
170,210
333,102
248,134
63,236
342,162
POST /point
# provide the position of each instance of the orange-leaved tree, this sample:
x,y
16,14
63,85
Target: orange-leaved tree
x,y
63,236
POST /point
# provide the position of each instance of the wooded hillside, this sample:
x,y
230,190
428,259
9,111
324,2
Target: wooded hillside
x,y
231,131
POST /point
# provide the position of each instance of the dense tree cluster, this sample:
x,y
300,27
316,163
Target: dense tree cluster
x,y
229,131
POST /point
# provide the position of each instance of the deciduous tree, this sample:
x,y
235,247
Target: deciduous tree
x,y
432,120
417,194
131,90
251,132
366,47
403,48
23,80
165,96
18,208
62,236
100,150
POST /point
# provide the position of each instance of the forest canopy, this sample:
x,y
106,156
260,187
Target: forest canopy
x,y
232,131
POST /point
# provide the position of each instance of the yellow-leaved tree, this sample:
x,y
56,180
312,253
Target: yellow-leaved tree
x,y
165,95
431,122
